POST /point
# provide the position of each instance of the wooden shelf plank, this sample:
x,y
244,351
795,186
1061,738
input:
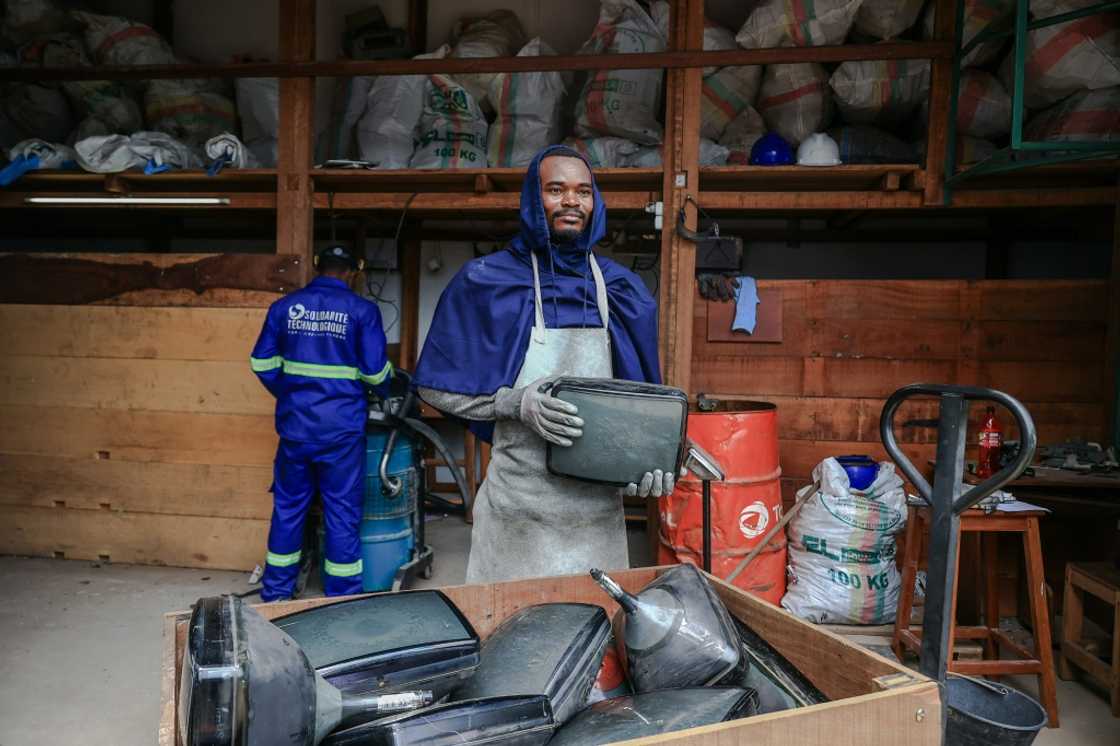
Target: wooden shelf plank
x,y
803,178
451,65
465,180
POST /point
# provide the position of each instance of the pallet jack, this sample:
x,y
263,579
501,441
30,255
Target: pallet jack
x,y
974,711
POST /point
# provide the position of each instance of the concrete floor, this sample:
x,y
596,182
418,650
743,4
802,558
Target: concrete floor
x,y
81,646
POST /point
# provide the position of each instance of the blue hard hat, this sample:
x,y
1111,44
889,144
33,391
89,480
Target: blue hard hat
x,y
771,150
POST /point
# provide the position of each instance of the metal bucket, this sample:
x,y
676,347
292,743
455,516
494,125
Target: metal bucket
x,y
983,713
743,437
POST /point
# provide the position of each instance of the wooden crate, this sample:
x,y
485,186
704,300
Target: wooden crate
x,y
874,701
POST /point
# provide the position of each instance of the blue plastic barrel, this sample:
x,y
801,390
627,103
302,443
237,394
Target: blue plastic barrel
x,y
386,531
383,552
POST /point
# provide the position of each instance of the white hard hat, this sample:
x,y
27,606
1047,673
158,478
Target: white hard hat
x,y
818,149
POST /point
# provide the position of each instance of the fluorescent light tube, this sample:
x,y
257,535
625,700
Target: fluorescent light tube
x,y
181,201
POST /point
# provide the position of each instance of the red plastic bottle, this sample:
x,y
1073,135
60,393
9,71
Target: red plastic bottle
x,y
991,440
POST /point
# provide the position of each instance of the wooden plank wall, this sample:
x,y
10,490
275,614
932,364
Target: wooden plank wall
x,y
136,434
847,345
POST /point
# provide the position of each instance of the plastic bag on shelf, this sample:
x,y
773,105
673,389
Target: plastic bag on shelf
x,y
983,107
780,23
724,95
842,548
182,109
795,100
38,111
452,132
526,111
24,20
1068,57
50,154
226,145
98,106
387,130
740,135
979,15
604,152
884,92
887,19
113,40
862,143
116,153
498,34
1092,116
711,154
622,103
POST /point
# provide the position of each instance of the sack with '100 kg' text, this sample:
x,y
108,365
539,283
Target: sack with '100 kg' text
x,y
842,548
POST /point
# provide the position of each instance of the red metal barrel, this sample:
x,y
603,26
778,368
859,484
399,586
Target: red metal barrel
x,y
743,437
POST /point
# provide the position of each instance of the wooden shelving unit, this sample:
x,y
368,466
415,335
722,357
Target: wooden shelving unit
x,y
295,190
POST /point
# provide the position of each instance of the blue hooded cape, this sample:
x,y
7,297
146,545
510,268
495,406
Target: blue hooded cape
x,y
481,327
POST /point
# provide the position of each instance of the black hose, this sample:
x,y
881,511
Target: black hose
x,y
422,429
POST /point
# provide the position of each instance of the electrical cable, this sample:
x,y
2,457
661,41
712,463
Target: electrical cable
x,y
377,294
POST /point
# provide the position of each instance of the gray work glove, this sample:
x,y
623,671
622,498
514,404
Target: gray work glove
x,y
553,419
654,483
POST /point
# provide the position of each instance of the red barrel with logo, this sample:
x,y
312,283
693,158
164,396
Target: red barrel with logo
x,y
743,437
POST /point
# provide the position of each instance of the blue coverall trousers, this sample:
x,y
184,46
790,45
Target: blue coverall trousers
x,y
337,470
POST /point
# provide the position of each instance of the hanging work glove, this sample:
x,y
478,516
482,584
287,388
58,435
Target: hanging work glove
x,y
553,419
717,287
654,483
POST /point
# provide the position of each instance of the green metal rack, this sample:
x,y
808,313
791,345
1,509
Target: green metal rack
x,y
1021,153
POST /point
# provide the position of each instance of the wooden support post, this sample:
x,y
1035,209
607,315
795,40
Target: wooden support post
x,y
940,91
681,178
418,25
680,155
295,213
1112,347
409,259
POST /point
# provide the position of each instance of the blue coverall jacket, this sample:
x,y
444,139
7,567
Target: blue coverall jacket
x,y
319,349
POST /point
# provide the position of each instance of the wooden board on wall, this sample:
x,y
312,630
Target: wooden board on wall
x,y
205,386
169,437
847,345
213,490
225,334
140,434
141,538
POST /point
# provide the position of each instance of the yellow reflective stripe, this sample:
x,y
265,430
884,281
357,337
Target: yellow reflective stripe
x,y
282,560
343,570
317,370
314,370
263,364
378,377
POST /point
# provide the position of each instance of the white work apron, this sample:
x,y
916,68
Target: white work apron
x,y
527,522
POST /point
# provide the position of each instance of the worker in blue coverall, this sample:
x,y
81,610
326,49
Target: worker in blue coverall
x,y
319,349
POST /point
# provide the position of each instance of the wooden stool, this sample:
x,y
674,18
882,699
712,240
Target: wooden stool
x,y
1040,661
1102,580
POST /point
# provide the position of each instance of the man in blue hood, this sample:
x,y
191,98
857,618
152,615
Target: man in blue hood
x,y
506,325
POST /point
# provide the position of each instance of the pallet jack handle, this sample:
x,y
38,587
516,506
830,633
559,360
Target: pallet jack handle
x,y
953,401
947,503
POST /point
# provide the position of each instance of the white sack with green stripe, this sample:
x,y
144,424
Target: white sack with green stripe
x,y
526,111
842,548
387,131
622,103
453,130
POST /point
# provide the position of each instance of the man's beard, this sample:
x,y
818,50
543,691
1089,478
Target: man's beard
x,y
564,235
